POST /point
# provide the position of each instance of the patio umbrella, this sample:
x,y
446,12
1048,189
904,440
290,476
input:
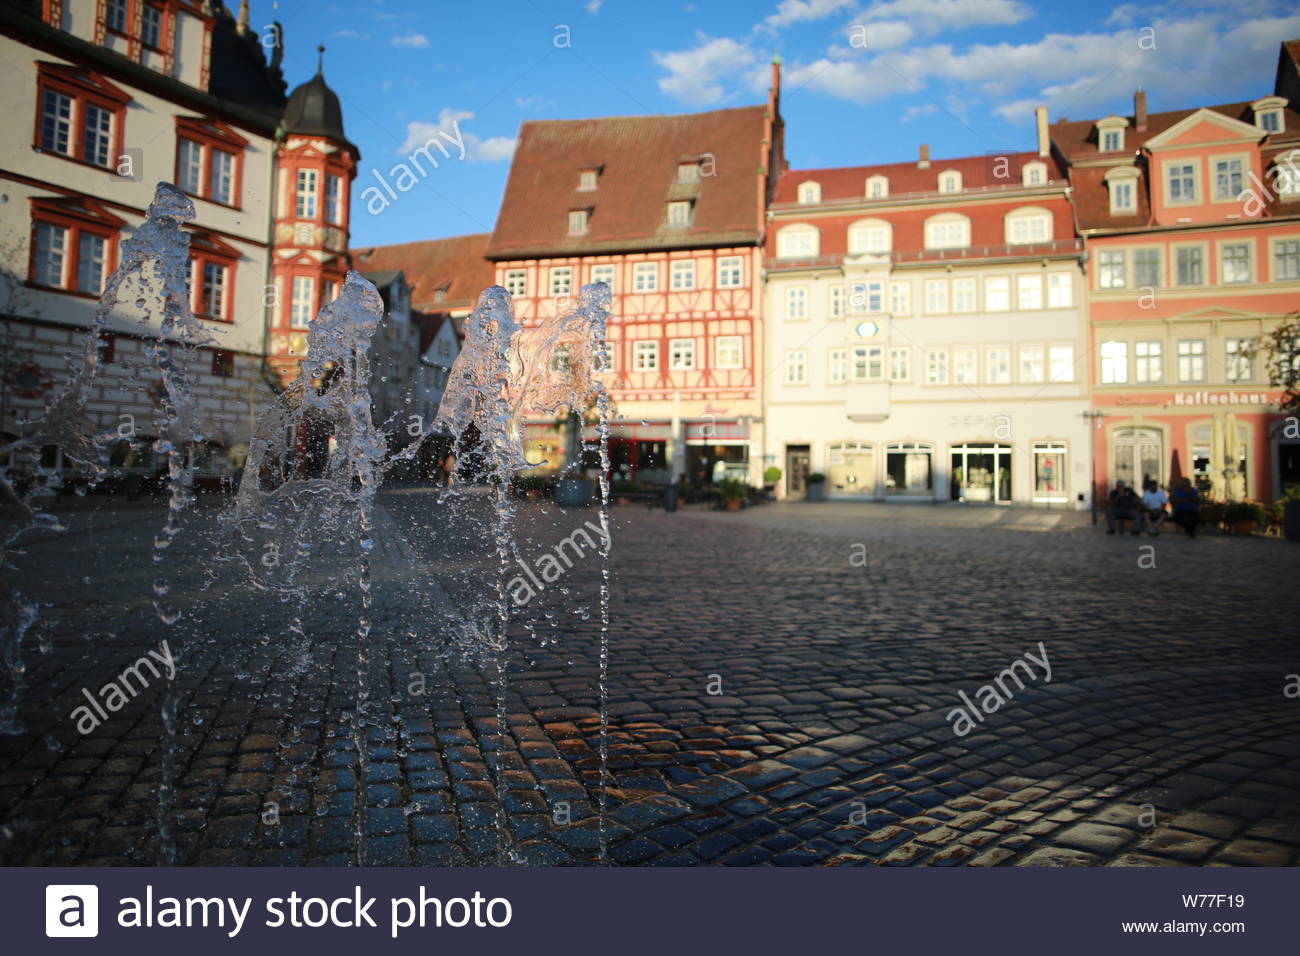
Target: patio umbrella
x,y
1175,470
1235,481
1218,487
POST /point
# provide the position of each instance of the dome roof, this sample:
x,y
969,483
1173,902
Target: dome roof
x,y
313,109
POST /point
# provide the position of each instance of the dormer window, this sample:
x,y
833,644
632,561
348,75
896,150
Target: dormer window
x,y
1034,174
577,222
1286,176
688,172
810,192
950,181
877,187
587,180
679,213
1123,183
1268,114
1110,134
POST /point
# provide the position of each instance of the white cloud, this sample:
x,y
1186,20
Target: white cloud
x,y
796,11
916,112
696,76
935,16
593,6
450,129
412,40
883,35
349,35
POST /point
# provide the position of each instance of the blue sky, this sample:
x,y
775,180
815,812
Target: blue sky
x,y
865,81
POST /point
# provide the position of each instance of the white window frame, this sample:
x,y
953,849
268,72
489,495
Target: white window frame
x,y
1112,363
965,366
997,365
605,272
997,293
515,282
936,367
809,192
900,298
1238,364
796,367
877,187
1023,227
965,294
936,297
947,231
577,222
1060,290
900,363
1029,291
678,214
1148,362
645,355
682,275
681,355
871,237
1033,365
645,277
1060,363
306,194
561,280
1190,358
837,366
731,272
800,241
796,303
729,352
302,291
950,181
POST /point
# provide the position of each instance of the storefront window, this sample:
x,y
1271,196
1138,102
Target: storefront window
x,y
908,468
981,472
1051,478
852,470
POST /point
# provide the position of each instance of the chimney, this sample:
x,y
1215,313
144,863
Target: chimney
x,y
1140,111
924,161
1044,143
776,76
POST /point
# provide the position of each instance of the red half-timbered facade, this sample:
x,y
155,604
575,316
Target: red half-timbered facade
x,y
669,212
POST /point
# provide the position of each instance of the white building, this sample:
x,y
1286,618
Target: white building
x,y
926,326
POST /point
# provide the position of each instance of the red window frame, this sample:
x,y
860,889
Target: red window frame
x,y
206,248
77,217
210,135
82,87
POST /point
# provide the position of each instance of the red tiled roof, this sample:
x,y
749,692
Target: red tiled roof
x,y
456,265
1077,142
637,157
849,182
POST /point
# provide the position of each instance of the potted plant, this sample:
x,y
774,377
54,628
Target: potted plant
x,y
816,486
733,492
530,486
621,488
1290,505
1212,513
1243,517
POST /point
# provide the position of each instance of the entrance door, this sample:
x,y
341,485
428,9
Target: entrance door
x,y
981,472
798,459
1139,456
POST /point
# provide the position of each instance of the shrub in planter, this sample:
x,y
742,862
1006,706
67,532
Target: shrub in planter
x,y
1290,505
733,492
1243,516
771,475
1212,513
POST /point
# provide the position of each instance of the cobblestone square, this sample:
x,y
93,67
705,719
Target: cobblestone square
x,y
780,684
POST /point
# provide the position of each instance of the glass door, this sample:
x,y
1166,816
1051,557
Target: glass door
x,y
981,473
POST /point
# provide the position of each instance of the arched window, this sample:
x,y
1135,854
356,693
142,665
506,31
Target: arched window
x,y
810,192
877,187
1028,224
798,241
947,230
870,235
950,181
1034,174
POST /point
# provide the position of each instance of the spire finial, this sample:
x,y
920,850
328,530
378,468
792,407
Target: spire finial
x,y
320,61
242,24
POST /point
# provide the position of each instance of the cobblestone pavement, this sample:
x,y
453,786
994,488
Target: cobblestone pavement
x,y
780,683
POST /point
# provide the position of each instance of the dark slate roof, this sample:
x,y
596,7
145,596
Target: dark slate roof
x,y
314,110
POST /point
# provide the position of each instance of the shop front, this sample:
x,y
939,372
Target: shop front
x,y
1232,445
981,473
716,450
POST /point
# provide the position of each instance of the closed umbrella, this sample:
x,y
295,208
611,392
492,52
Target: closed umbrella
x,y
1218,488
1235,480
1175,470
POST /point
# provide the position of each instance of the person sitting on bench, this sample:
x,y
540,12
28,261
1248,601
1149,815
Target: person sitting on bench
x,y
1123,506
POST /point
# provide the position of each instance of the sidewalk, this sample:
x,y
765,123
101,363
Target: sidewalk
x,y
941,514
